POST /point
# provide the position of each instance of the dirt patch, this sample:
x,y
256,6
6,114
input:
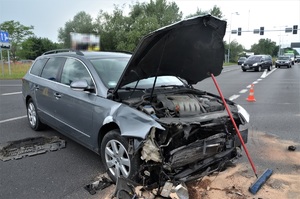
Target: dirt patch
x,y
234,182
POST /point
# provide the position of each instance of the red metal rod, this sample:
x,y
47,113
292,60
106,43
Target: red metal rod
x,y
234,124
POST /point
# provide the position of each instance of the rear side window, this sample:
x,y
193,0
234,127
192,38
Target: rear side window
x,y
52,67
38,67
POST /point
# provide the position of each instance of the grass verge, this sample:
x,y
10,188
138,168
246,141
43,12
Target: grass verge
x,y
17,70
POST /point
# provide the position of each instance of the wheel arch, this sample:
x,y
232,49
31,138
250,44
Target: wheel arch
x,y
104,130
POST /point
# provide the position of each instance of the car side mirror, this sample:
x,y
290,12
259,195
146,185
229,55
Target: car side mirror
x,y
81,85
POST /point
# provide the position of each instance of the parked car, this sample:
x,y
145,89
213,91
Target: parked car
x,y
140,112
241,60
297,59
283,61
257,63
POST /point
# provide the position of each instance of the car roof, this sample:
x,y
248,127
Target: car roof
x,y
85,54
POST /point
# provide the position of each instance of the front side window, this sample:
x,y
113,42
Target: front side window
x,y
74,70
52,67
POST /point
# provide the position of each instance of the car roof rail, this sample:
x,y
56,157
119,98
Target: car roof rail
x,y
62,51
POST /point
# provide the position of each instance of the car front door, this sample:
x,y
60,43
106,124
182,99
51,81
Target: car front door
x,y
75,108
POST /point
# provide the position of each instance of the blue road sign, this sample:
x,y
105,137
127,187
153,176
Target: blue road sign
x,y
4,37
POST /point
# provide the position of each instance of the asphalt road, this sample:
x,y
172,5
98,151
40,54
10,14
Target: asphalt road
x,y
64,173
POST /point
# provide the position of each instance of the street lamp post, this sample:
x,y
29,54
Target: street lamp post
x,y
228,53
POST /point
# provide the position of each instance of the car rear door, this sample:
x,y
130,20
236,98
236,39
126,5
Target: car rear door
x,y
45,89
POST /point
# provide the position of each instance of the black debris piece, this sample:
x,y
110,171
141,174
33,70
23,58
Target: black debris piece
x,y
291,148
18,149
98,185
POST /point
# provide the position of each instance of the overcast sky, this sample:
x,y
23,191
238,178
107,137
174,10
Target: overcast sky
x,y
47,16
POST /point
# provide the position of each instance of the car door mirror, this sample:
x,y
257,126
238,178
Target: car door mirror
x,y
81,85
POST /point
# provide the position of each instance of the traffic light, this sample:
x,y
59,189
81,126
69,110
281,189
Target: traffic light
x,y
239,31
295,28
261,31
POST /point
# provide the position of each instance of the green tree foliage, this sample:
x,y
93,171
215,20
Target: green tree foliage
x,y
215,11
81,23
119,32
18,33
236,50
34,47
265,46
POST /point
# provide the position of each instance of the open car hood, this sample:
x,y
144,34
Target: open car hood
x,y
191,49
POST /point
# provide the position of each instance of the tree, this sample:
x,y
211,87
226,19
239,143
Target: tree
x,y
81,23
18,33
119,32
236,50
264,46
215,11
34,47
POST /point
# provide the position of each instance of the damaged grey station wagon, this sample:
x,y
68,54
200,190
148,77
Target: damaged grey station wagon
x,y
140,111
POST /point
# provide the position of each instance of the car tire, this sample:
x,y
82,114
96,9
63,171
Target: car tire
x,y
244,70
33,117
117,164
269,68
258,68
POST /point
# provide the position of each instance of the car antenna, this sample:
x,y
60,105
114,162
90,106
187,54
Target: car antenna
x,y
154,83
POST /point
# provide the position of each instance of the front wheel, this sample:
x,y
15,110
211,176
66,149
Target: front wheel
x,y
258,68
115,156
33,117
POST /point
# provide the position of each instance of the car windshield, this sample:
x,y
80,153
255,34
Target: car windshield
x,y
284,58
161,81
111,69
254,58
242,58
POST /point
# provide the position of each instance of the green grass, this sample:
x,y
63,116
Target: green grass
x,y
17,71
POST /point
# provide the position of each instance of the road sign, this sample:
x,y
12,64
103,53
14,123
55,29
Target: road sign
x,y
4,40
4,37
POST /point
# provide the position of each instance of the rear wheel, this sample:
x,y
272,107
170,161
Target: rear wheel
x,y
33,117
115,156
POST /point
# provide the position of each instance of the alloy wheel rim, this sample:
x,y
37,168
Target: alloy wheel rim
x,y
31,114
117,159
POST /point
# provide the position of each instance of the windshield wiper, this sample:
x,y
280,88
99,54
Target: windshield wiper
x,y
172,86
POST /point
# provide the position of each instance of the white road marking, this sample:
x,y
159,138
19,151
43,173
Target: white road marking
x,y
264,74
233,97
12,119
243,91
15,93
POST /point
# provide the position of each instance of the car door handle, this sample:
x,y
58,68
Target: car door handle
x,y
57,95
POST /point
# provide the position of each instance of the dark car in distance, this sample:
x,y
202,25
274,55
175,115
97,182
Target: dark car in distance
x,y
297,59
283,61
140,111
257,63
241,60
